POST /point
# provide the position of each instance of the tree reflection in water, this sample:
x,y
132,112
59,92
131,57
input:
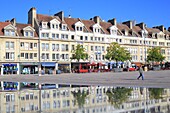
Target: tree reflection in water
x,y
118,95
80,97
156,93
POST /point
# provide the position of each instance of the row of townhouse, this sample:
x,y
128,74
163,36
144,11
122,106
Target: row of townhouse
x,y
50,40
62,99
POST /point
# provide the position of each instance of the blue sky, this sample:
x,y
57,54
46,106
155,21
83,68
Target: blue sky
x,y
151,12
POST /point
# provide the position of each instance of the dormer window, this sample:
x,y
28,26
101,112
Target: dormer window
x,y
9,32
64,27
44,24
54,24
113,30
96,28
79,26
28,34
125,32
28,31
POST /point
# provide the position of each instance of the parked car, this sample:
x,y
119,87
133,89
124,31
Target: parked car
x,y
132,69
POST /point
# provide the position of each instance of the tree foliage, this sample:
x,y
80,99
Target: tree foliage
x,y
117,53
118,95
154,55
79,53
80,97
156,93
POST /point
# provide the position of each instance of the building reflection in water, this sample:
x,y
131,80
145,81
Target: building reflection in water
x,y
52,98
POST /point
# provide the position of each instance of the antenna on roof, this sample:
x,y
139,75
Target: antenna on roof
x,y
49,12
69,12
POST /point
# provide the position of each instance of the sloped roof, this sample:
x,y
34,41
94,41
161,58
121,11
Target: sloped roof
x,y
47,18
20,29
70,22
106,26
2,25
153,30
88,24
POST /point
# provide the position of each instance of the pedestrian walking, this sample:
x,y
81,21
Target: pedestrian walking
x,y
141,73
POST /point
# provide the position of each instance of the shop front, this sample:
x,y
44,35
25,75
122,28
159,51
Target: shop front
x,y
10,68
29,67
48,67
64,67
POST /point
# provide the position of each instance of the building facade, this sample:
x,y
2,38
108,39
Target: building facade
x,y
46,42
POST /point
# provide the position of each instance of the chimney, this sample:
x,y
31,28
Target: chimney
x,y
97,19
60,15
113,21
141,25
129,24
13,22
162,28
32,16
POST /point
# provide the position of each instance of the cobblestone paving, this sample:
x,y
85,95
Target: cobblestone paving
x,y
125,79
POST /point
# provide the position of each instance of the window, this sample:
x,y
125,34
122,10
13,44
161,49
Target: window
x,y
91,38
81,37
31,34
9,55
9,32
92,48
57,36
44,25
53,56
22,54
53,35
22,44
45,35
35,45
102,39
31,55
102,48
64,27
35,54
72,37
26,55
28,34
86,38
31,45
72,47
9,45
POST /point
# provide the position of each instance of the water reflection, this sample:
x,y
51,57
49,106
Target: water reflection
x,y
56,98
118,95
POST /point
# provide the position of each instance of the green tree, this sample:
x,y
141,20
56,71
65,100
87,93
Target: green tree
x,y
154,55
80,97
117,53
118,95
79,53
156,93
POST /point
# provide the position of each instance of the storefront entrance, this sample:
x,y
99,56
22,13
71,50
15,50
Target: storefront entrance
x,y
29,68
48,67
